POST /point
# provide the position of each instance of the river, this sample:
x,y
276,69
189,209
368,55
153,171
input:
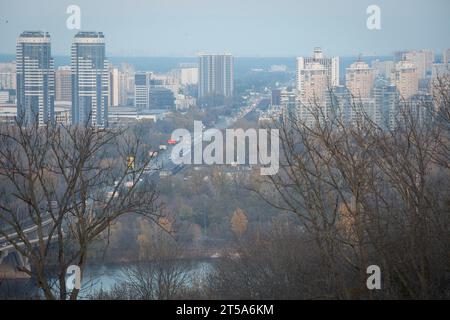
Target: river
x,y
103,277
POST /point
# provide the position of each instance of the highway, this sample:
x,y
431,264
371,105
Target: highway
x,y
163,161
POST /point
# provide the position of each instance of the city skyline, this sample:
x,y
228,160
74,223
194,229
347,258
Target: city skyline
x,y
244,32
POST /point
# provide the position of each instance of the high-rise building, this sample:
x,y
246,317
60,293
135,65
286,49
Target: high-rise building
x,y
142,90
275,97
188,74
446,56
8,75
313,83
405,78
126,84
330,65
63,84
359,79
440,70
35,78
114,87
422,60
90,79
383,68
215,75
288,103
386,101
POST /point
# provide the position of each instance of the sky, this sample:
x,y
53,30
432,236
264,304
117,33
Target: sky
x,y
253,28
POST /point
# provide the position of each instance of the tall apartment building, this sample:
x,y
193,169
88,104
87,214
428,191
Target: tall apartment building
x,y
331,66
142,90
351,110
63,84
215,75
289,103
126,84
314,83
90,79
8,76
383,68
316,76
359,79
275,99
114,87
188,74
406,78
422,59
387,101
35,78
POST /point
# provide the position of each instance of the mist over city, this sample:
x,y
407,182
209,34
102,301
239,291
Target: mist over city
x,y
202,151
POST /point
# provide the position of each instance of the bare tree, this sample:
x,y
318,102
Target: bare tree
x,y
62,188
159,275
368,195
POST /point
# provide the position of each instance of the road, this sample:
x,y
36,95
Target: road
x,y
162,162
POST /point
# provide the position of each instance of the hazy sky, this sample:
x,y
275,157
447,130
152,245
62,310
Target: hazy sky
x,y
241,27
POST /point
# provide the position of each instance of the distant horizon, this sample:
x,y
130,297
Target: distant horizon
x,y
241,65
251,28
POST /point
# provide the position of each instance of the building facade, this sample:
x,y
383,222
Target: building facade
x,y
63,84
359,78
90,79
422,59
330,65
215,75
142,90
35,78
8,76
406,78
114,87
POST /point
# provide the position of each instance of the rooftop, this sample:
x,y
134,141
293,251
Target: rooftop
x,y
89,34
35,34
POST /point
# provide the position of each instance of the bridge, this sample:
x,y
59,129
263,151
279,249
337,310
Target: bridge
x,y
10,242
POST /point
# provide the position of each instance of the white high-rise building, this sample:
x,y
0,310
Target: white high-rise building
x,y
314,84
188,75
90,75
215,75
35,78
422,59
126,84
8,75
316,76
114,87
331,66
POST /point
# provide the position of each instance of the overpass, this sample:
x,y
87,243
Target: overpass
x,y
10,242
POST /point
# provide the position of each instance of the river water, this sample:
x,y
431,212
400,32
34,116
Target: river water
x,y
103,277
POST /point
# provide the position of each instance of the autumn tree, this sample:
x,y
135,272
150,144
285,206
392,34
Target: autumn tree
x,y
239,222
